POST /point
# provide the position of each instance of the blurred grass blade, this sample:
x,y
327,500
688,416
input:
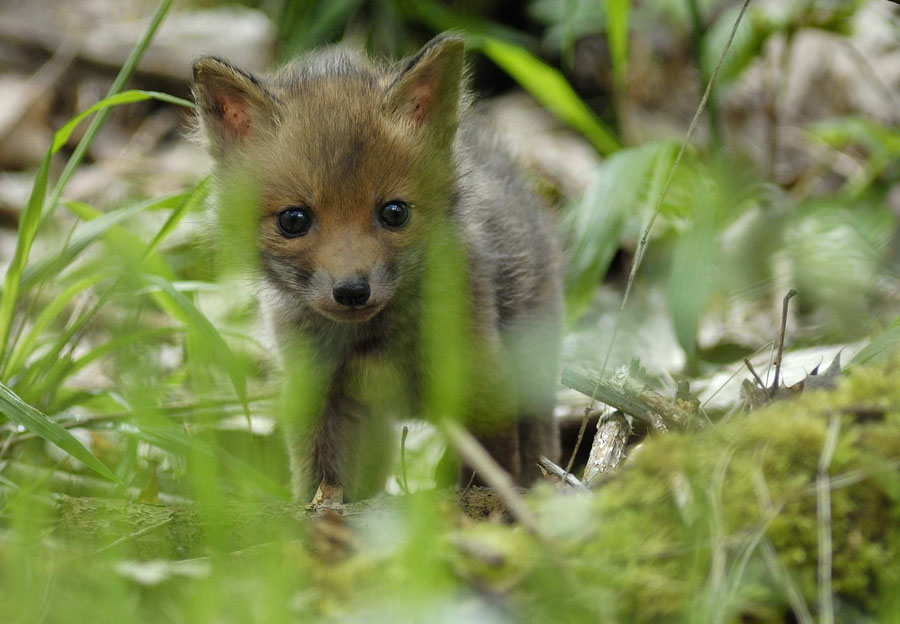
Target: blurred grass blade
x,y
193,201
885,344
43,426
689,282
184,309
440,16
25,346
593,226
617,13
88,233
551,89
174,440
313,26
118,84
28,225
34,211
126,243
119,342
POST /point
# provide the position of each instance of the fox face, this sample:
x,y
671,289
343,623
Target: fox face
x,y
351,168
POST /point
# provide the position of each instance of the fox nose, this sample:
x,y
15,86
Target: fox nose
x,y
351,293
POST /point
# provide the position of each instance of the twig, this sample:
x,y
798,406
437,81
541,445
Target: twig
x,y
755,375
557,474
784,312
823,515
732,376
642,246
468,487
474,454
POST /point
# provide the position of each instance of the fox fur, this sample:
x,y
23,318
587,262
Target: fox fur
x,y
339,136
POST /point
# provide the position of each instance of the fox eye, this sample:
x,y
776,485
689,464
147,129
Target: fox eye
x,y
394,214
294,221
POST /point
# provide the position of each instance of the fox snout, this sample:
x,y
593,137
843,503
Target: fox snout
x,y
352,293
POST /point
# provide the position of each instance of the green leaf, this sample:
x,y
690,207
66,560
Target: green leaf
x,y
45,427
593,226
551,89
617,32
689,282
881,347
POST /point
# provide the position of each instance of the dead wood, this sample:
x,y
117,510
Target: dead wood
x,y
608,448
627,397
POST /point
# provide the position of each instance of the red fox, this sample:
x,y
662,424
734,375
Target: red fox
x,y
362,173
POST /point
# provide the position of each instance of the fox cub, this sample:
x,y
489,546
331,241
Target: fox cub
x,y
394,239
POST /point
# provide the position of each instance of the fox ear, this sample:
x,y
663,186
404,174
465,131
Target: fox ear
x,y
233,104
426,93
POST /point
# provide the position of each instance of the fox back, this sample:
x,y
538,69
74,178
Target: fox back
x,y
359,171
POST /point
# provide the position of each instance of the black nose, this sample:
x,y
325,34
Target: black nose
x,y
351,293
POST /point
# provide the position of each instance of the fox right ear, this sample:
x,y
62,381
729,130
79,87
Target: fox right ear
x,y
427,91
233,104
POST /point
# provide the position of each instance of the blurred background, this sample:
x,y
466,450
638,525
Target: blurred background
x,y
794,159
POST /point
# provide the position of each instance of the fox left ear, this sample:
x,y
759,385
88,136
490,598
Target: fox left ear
x,y
427,91
233,105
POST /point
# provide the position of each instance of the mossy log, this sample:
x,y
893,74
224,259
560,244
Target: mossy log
x,y
184,531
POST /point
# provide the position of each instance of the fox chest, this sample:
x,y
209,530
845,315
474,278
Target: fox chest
x,y
383,380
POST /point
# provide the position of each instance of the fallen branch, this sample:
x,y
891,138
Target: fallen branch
x,y
645,405
558,475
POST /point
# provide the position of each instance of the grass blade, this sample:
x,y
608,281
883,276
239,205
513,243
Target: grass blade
x,y
34,211
551,89
28,226
194,200
883,345
184,309
62,136
95,228
25,346
118,84
593,226
21,413
617,13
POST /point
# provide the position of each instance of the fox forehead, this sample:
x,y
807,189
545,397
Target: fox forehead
x,y
334,144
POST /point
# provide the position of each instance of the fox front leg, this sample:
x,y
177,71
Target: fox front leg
x,y
344,455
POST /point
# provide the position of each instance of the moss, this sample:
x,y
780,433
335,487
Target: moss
x,y
687,516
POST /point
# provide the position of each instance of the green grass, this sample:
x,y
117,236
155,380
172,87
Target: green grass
x,y
129,372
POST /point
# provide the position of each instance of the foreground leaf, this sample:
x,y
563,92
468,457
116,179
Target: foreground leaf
x,y
21,413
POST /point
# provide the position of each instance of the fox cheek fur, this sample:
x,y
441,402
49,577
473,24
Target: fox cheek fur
x,y
358,169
